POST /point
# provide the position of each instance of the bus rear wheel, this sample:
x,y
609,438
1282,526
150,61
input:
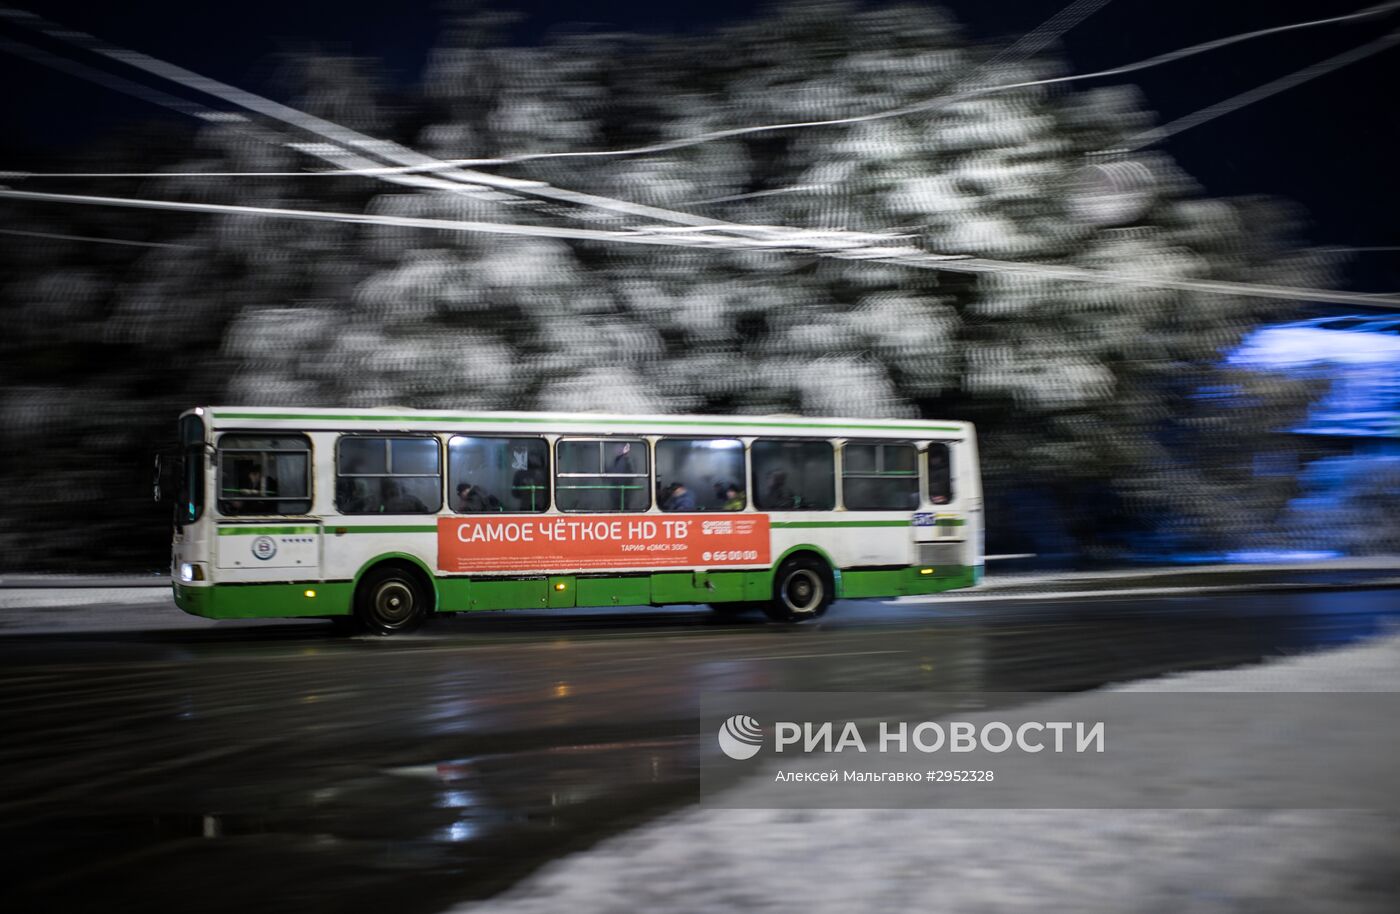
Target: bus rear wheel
x,y
802,590
390,601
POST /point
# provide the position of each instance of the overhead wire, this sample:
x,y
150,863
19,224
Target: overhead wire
x,y
1259,93
820,243
408,160
1049,31
907,256
711,136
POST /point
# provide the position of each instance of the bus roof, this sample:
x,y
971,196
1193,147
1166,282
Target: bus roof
x,y
403,419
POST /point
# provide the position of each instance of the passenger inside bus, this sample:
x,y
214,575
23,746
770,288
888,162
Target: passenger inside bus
x,y
353,496
622,461
678,498
778,495
940,475
473,499
396,501
528,485
253,484
704,468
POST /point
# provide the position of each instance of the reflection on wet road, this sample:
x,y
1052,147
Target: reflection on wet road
x,y
277,768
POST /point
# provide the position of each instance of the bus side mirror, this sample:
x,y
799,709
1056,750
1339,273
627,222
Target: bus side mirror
x,y
158,477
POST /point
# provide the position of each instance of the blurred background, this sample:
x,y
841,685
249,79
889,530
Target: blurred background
x,y
1148,418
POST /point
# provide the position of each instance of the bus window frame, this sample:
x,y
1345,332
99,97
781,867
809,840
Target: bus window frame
x,y
920,496
833,443
743,449
309,452
925,469
548,472
650,475
441,474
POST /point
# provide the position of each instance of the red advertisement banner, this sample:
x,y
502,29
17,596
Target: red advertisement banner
x,y
601,542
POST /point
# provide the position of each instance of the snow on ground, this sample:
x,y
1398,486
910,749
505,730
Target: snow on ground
x,y
83,596
1088,861
87,606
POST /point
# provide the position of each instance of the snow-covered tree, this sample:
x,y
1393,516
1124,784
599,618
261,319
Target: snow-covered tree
x,y
1107,405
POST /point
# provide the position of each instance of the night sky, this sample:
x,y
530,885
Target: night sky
x,y
1329,145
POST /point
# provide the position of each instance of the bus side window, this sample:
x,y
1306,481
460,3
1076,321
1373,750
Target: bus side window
x,y
940,474
700,474
264,474
879,476
794,475
602,475
492,475
398,475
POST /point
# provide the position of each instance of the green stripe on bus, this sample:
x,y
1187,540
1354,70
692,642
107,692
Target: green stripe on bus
x,y
331,598
330,528
254,531
383,528
816,524
531,420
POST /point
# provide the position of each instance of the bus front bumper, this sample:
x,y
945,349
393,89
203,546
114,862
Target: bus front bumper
x,y
264,601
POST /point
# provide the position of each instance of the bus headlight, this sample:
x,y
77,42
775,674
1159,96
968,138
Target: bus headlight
x,y
191,571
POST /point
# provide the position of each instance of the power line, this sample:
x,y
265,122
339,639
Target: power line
x,y
830,244
907,256
341,137
927,105
332,155
1044,34
83,71
408,160
61,237
1259,93
697,139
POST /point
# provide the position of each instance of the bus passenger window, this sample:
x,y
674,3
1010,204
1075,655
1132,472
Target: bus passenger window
x,y
264,474
940,474
794,475
880,477
388,475
602,475
700,474
493,475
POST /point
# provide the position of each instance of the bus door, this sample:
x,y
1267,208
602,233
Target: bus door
x,y
940,526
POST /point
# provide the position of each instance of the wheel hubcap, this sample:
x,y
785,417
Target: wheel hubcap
x,y
803,591
393,602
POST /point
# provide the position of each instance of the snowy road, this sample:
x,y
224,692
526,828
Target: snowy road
x,y
151,759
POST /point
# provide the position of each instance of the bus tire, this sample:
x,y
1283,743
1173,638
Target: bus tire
x,y
802,590
391,600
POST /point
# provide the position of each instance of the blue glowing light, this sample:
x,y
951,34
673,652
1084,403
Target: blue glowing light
x,y
1359,354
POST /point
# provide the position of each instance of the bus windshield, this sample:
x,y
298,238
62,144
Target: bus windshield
x,y
189,501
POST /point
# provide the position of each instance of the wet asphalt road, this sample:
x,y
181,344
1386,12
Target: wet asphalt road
x,y
278,768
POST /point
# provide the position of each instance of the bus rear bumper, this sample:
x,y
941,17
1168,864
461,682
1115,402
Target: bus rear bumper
x,y
899,582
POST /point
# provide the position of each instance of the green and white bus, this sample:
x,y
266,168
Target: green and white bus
x,y
383,517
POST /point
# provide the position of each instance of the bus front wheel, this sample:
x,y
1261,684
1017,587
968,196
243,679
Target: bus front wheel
x,y
802,590
390,600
